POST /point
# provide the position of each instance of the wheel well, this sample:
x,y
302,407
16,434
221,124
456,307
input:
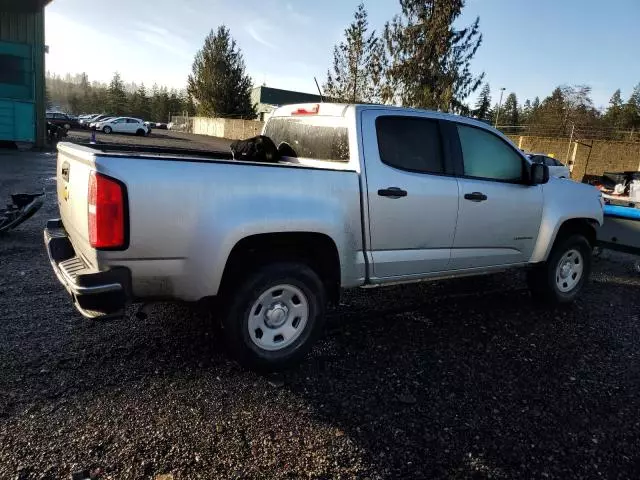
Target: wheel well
x,y
316,250
582,226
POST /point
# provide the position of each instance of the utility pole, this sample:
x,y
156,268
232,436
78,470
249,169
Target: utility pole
x,y
495,124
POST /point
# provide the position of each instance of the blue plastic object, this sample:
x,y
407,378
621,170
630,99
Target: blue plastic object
x,y
622,212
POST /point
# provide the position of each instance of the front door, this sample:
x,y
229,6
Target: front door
x,y
499,214
413,203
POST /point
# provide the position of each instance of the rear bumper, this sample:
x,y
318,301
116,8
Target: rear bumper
x,y
95,293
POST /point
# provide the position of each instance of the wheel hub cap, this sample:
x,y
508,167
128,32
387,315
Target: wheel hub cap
x,y
276,315
566,269
569,270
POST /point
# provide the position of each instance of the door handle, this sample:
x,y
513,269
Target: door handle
x,y
392,192
475,196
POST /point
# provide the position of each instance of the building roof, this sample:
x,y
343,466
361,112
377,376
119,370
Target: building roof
x,y
24,5
276,96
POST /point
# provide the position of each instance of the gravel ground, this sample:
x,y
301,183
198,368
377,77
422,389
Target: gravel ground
x,y
459,379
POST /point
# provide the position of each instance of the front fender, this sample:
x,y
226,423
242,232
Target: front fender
x,y
564,200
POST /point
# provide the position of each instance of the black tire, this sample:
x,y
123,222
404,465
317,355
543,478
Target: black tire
x,y
140,132
543,281
244,294
107,129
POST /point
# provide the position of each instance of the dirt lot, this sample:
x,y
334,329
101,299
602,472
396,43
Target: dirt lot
x,y
463,379
158,138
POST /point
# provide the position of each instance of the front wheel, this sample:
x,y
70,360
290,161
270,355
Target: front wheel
x,y
107,130
275,316
561,278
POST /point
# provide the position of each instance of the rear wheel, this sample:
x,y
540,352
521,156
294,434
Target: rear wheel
x,y
67,126
561,278
107,129
275,315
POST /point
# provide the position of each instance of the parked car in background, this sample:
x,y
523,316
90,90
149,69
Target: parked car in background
x,y
99,118
85,120
180,127
443,196
62,120
161,126
556,167
134,126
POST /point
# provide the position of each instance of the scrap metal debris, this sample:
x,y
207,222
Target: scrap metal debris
x,y
22,207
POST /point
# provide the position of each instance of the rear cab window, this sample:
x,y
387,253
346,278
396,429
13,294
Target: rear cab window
x,y
314,137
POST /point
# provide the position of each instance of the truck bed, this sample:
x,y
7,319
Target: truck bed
x,y
187,209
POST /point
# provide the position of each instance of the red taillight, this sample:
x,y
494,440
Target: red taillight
x,y
106,212
303,111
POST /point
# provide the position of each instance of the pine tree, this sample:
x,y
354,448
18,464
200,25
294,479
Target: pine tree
x,y
357,64
483,105
526,111
614,112
117,97
429,59
553,113
535,105
510,114
218,80
630,111
140,106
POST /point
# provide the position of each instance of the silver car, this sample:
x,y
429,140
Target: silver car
x,y
556,167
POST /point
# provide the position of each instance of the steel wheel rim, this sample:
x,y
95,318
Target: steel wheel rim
x,y
569,270
278,317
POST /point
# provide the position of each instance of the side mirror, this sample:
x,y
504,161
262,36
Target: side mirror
x,y
539,174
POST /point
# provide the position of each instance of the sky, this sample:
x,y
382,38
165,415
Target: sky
x,y
529,47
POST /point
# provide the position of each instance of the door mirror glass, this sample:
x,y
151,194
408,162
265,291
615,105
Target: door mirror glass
x,y
539,174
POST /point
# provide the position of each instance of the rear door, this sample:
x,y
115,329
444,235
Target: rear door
x,y
412,199
499,214
133,125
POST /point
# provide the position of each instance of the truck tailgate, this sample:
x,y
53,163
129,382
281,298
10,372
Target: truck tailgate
x,y
72,178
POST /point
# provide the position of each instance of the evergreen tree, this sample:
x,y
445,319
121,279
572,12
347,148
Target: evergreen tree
x,y
613,115
117,97
429,59
552,113
510,114
160,104
218,80
357,64
535,105
526,111
483,105
630,112
140,106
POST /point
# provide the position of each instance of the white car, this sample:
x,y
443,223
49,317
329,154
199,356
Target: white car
x,y
94,123
556,167
134,126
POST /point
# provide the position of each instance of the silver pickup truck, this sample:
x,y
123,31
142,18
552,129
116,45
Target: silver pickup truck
x,y
364,195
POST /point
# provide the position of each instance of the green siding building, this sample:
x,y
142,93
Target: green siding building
x,y
267,99
22,72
